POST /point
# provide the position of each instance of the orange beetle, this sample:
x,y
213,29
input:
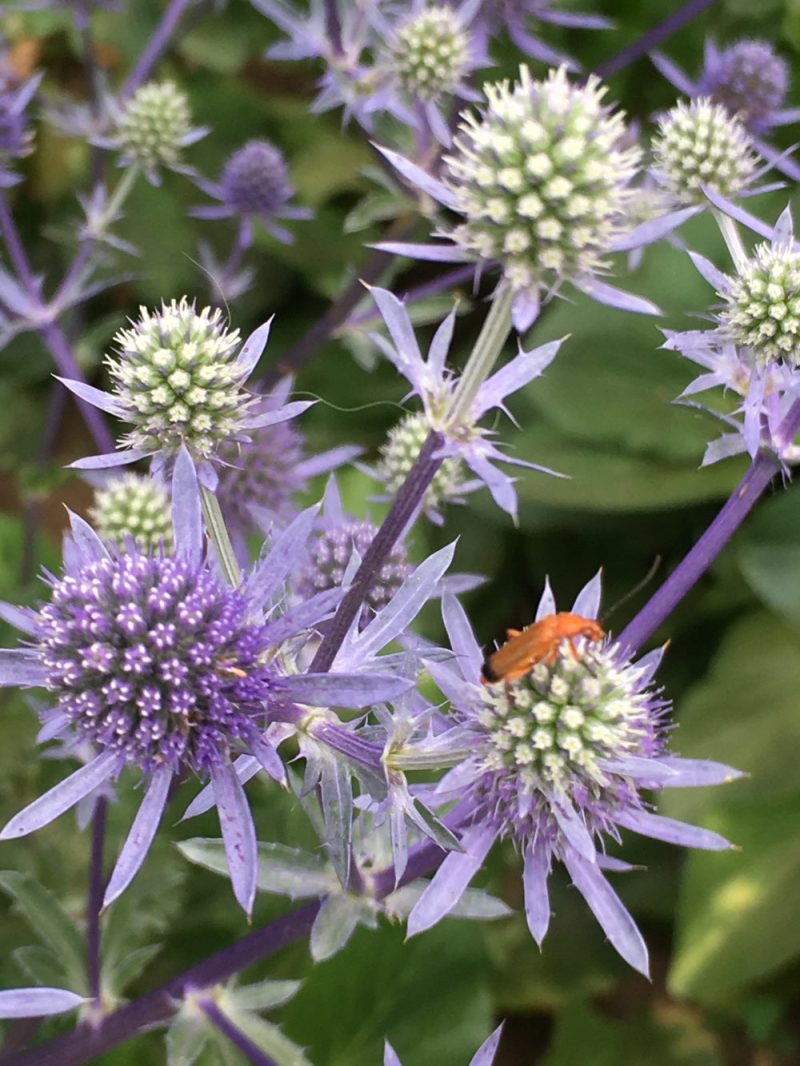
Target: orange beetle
x,y
538,641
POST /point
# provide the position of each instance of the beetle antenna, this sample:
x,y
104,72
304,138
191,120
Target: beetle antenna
x,y
648,577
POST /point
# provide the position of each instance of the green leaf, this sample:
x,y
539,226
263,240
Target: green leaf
x,y
282,1050
263,995
427,996
338,918
186,1038
674,1037
50,922
283,870
769,553
40,964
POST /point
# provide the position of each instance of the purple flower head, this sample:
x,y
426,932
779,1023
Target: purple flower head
x,y
542,177
254,185
161,666
750,81
331,550
430,52
152,129
466,443
180,382
754,349
515,16
15,133
558,761
260,478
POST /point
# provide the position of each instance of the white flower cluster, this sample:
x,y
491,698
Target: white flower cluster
x,y
763,306
430,52
133,507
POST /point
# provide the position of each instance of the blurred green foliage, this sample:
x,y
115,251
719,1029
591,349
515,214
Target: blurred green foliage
x,y
724,929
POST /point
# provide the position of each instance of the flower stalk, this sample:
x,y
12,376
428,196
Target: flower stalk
x,y
218,533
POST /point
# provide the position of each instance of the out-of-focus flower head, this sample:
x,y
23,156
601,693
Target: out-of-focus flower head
x,y
542,177
261,478
254,186
748,79
516,16
15,133
331,550
130,506
152,128
430,52
179,381
465,442
557,763
161,666
754,349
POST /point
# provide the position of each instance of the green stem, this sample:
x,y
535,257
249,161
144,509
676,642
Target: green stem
x,y
218,532
488,346
116,200
732,238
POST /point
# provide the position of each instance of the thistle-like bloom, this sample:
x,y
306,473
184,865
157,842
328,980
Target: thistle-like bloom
x,y
15,132
403,444
162,667
330,554
261,478
748,79
700,144
515,17
465,441
133,507
558,759
179,382
254,186
542,177
754,349
430,53
152,129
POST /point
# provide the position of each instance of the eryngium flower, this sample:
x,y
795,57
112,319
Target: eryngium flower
x,y
164,668
558,759
153,128
15,133
331,549
542,176
762,311
750,81
484,1056
254,185
178,380
136,508
430,51
700,143
400,452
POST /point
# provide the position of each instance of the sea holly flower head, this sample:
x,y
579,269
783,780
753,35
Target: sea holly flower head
x,y
153,128
762,311
559,760
701,144
750,81
133,507
465,442
254,185
542,177
398,454
179,381
162,667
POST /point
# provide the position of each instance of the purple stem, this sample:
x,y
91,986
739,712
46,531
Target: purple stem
x,y
50,332
405,506
652,38
33,507
759,475
155,47
94,903
233,1032
333,25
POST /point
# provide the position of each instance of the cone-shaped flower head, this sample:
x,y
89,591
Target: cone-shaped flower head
x,y
133,507
762,311
153,659
748,79
154,126
400,452
542,178
430,51
558,758
177,379
701,143
255,180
